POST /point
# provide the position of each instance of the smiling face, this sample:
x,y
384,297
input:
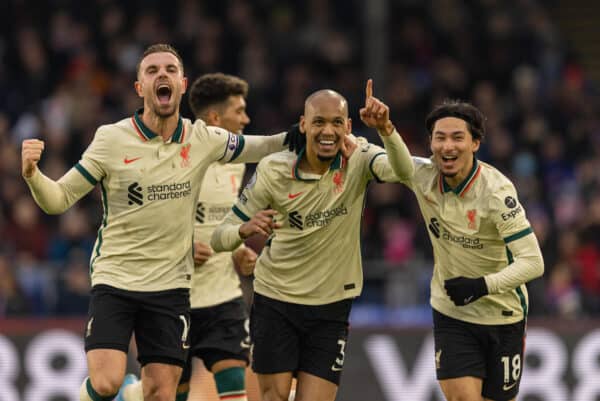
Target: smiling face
x,y
453,146
161,83
325,123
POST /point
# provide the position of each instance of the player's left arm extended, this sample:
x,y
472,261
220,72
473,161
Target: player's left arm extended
x,y
252,148
527,264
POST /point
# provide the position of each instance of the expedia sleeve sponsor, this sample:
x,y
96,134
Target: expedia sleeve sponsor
x,y
507,212
169,191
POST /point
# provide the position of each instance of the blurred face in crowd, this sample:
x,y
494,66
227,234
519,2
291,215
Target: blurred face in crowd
x,y
453,146
161,83
325,123
231,115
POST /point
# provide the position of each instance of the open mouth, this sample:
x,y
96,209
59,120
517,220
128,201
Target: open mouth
x,y
327,143
448,161
163,93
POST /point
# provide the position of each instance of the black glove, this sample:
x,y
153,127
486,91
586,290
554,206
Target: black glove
x,y
295,139
463,290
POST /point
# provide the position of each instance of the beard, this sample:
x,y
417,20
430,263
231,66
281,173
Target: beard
x,y
164,112
325,158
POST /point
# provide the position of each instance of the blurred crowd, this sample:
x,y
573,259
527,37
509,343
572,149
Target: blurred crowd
x,y
67,67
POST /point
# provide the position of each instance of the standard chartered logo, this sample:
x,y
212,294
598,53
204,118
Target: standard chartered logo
x,y
316,219
136,194
441,232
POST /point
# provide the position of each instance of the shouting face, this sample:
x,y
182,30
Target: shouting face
x,y
161,83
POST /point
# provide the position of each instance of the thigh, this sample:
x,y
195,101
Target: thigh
x,y
310,387
274,338
466,388
505,361
459,348
220,333
323,344
162,327
111,319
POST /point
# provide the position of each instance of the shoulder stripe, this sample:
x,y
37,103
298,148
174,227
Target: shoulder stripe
x,y
86,174
518,235
371,165
240,214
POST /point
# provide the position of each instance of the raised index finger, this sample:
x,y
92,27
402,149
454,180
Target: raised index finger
x,y
369,89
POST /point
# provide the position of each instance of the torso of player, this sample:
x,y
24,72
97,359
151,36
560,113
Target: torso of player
x,y
150,191
215,281
315,257
466,241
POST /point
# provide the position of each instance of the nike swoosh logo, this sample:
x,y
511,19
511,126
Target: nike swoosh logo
x,y
294,196
127,161
467,300
507,387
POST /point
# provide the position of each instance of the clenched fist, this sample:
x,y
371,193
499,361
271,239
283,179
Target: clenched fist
x,y
31,153
244,260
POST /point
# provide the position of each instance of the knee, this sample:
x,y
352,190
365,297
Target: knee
x,y
106,385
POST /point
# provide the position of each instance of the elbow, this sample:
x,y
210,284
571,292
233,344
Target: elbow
x,y
539,266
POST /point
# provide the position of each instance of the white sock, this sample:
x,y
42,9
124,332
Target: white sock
x,y
134,392
83,393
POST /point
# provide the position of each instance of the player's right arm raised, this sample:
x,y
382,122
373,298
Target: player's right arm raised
x,y
53,197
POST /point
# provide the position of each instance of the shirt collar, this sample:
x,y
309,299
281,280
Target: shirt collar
x,y
147,134
338,162
464,186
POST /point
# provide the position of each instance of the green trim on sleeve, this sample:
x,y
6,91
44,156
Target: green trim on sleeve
x,y
240,147
371,166
240,214
518,235
86,174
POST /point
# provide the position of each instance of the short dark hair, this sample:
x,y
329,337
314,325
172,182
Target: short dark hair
x,y
465,111
159,48
213,89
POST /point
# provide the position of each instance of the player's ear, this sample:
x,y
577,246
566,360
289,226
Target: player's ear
x,y
349,125
212,118
302,126
475,146
138,88
185,84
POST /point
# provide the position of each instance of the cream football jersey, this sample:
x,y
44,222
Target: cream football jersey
x,y
215,281
149,194
314,258
470,227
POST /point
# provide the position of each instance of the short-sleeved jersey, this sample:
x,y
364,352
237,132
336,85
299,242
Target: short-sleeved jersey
x,y
149,195
470,227
315,258
215,281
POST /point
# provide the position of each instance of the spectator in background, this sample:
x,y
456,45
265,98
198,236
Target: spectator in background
x,y
13,301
